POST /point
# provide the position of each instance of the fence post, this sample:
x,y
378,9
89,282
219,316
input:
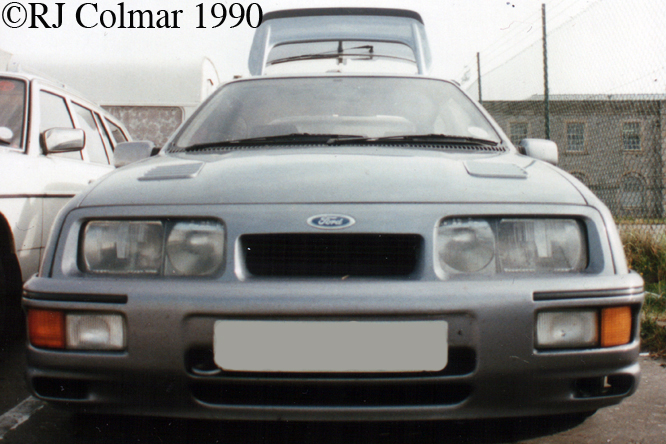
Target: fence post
x,y
662,141
546,104
478,69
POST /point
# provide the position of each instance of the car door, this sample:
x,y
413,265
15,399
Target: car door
x,y
66,174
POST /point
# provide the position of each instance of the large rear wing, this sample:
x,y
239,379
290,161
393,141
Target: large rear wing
x,y
302,26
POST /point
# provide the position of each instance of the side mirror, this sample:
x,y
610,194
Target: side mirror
x,y
129,152
6,135
63,140
540,149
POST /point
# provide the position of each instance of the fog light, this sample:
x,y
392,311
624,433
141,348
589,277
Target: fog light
x,y
567,329
95,332
46,328
615,326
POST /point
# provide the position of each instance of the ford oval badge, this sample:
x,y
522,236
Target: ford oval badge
x,y
331,221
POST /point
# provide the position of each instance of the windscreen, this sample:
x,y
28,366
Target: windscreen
x,y
356,106
12,112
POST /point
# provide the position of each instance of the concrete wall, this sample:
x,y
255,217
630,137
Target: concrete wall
x,y
154,123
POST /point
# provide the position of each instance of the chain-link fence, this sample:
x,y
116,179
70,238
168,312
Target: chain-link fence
x,y
604,102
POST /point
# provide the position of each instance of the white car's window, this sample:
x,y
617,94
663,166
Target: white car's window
x,y
94,144
373,107
54,114
116,132
106,137
12,109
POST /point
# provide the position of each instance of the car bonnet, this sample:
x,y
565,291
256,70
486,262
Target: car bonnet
x,y
303,175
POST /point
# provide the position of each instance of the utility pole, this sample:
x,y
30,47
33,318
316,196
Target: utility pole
x,y
478,69
546,101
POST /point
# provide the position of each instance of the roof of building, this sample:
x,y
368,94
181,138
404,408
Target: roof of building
x,y
600,97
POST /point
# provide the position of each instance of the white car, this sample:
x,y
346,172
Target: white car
x,y
53,143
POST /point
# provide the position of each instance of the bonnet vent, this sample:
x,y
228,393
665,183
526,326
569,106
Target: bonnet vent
x,y
180,171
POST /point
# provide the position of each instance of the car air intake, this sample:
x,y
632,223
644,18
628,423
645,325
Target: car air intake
x,y
296,394
332,254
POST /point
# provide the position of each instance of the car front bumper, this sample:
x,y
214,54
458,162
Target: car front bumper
x,y
493,367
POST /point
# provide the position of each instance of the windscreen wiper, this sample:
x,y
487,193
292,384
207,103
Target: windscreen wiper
x,y
419,138
338,53
334,55
301,138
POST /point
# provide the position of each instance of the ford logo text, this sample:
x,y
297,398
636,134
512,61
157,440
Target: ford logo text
x,y
331,221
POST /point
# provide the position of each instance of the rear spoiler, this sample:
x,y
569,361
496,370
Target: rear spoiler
x,y
339,24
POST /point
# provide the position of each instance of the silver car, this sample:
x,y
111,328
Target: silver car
x,y
336,246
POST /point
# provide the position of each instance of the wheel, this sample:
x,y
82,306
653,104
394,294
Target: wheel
x,y
11,319
4,305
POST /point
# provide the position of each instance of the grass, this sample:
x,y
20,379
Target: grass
x,y
653,323
640,221
647,256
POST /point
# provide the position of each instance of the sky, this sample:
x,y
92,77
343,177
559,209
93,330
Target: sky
x,y
597,46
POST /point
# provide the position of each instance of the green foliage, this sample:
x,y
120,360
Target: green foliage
x,y
655,301
653,324
646,255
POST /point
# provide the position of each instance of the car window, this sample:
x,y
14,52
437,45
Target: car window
x,y
94,144
391,106
12,109
116,132
105,135
54,114
342,56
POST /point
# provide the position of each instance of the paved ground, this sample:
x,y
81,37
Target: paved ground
x,y
639,419
12,364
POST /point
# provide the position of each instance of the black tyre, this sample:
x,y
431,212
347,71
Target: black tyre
x,y
11,317
4,308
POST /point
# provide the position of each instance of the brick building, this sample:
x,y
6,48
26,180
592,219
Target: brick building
x,y
615,144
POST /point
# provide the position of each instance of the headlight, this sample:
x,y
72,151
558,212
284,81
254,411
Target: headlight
x,y
516,245
467,245
549,245
121,247
195,248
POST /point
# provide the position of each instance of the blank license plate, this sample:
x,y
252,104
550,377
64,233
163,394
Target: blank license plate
x,y
331,346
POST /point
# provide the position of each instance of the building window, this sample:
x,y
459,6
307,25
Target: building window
x,y
575,136
632,192
518,132
631,136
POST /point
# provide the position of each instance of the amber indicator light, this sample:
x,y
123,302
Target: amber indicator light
x,y
615,326
46,328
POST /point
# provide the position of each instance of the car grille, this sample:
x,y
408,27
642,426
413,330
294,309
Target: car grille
x,y
332,255
212,385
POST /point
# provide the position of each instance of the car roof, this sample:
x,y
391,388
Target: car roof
x,y
339,24
297,75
